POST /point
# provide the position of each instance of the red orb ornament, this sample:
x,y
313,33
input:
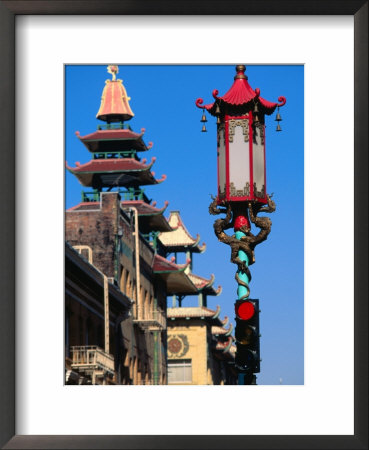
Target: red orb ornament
x,y
240,222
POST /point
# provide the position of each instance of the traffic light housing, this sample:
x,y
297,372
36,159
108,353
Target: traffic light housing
x,y
247,336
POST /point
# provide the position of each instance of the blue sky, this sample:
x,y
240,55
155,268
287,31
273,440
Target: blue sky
x,y
163,101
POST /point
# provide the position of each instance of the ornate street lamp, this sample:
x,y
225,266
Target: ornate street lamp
x,y
241,196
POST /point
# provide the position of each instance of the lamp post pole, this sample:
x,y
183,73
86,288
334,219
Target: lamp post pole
x,y
241,196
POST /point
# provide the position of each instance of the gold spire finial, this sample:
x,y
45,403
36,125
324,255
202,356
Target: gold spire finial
x,y
113,70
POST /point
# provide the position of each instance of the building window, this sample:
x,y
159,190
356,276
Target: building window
x,y
179,371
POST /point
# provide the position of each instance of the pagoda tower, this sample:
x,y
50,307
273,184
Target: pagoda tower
x,y
115,150
180,241
118,224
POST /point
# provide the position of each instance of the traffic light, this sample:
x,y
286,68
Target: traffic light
x,y
247,336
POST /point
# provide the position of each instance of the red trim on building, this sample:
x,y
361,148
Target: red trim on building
x,y
109,135
143,208
112,165
163,265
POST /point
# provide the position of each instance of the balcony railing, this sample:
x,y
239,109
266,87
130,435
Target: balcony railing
x,y
152,320
93,196
88,358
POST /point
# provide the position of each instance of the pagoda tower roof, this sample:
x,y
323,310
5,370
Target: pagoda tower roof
x,y
240,98
194,312
150,217
224,346
204,285
174,276
216,330
115,172
114,140
114,105
225,321
180,239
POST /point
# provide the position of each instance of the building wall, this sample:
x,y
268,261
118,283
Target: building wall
x,y
195,330
109,232
97,229
208,366
84,316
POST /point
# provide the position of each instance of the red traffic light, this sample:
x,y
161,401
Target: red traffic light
x,y
244,309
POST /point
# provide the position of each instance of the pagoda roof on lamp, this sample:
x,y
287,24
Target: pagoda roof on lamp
x,y
239,98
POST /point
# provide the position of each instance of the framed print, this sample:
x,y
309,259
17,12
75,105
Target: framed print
x,y
330,409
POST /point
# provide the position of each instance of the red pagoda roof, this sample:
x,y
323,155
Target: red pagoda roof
x,y
143,208
240,95
180,239
151,218
177,282
115,101
85,206
114,140
204,285
115,172
161,264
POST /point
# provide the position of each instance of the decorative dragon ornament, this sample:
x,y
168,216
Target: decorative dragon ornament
x,y
248,241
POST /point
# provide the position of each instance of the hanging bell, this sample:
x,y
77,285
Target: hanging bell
x,y
256,108
277,129
218,120
278,117
203,118
217,110
204,130
256,118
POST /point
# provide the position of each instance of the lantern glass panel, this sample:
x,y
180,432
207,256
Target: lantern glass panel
x,y
221,161
239,158
258,161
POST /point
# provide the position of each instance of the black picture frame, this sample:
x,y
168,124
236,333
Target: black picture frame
x,y
8,10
